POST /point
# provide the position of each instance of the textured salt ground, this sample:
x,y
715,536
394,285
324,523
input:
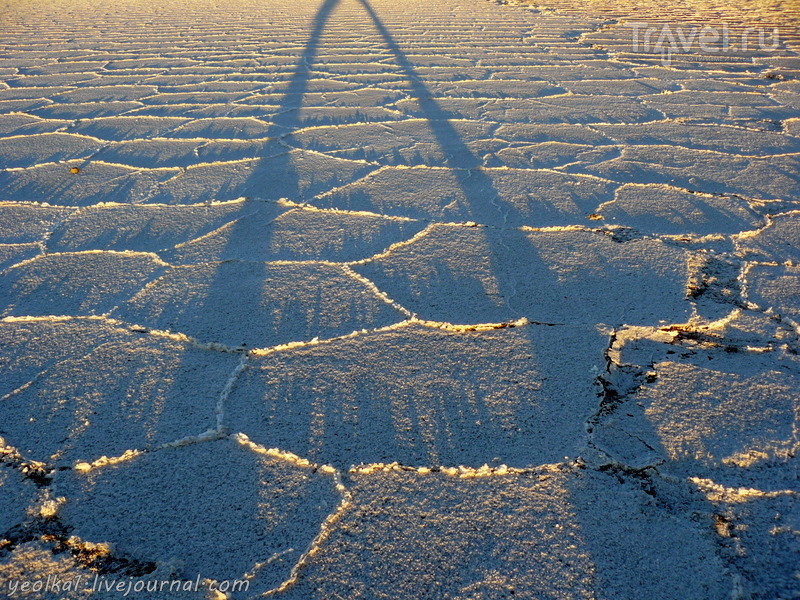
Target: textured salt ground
x,y
775,289
22,152
775,177
441,398
98,183
259,180
273,508
762,528
276,303
777,242
662,210
17,495
36,560
499,197
28,223
719,409
134,391
11,254
704,411
143,228
565,277
530,535
298,234
295,174
80,283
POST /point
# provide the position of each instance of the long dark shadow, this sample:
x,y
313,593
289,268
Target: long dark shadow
x,y
224,300
457,153
298,85
476,185
274,176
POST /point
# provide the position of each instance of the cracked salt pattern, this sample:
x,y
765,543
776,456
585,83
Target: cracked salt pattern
x,y
370,299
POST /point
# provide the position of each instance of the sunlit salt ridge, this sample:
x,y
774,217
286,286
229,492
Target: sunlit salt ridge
x,y
370,299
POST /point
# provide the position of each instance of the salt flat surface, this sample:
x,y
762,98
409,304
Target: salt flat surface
x,y
372,299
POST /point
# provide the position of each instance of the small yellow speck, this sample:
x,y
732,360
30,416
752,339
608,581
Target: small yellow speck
x,y
74,170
